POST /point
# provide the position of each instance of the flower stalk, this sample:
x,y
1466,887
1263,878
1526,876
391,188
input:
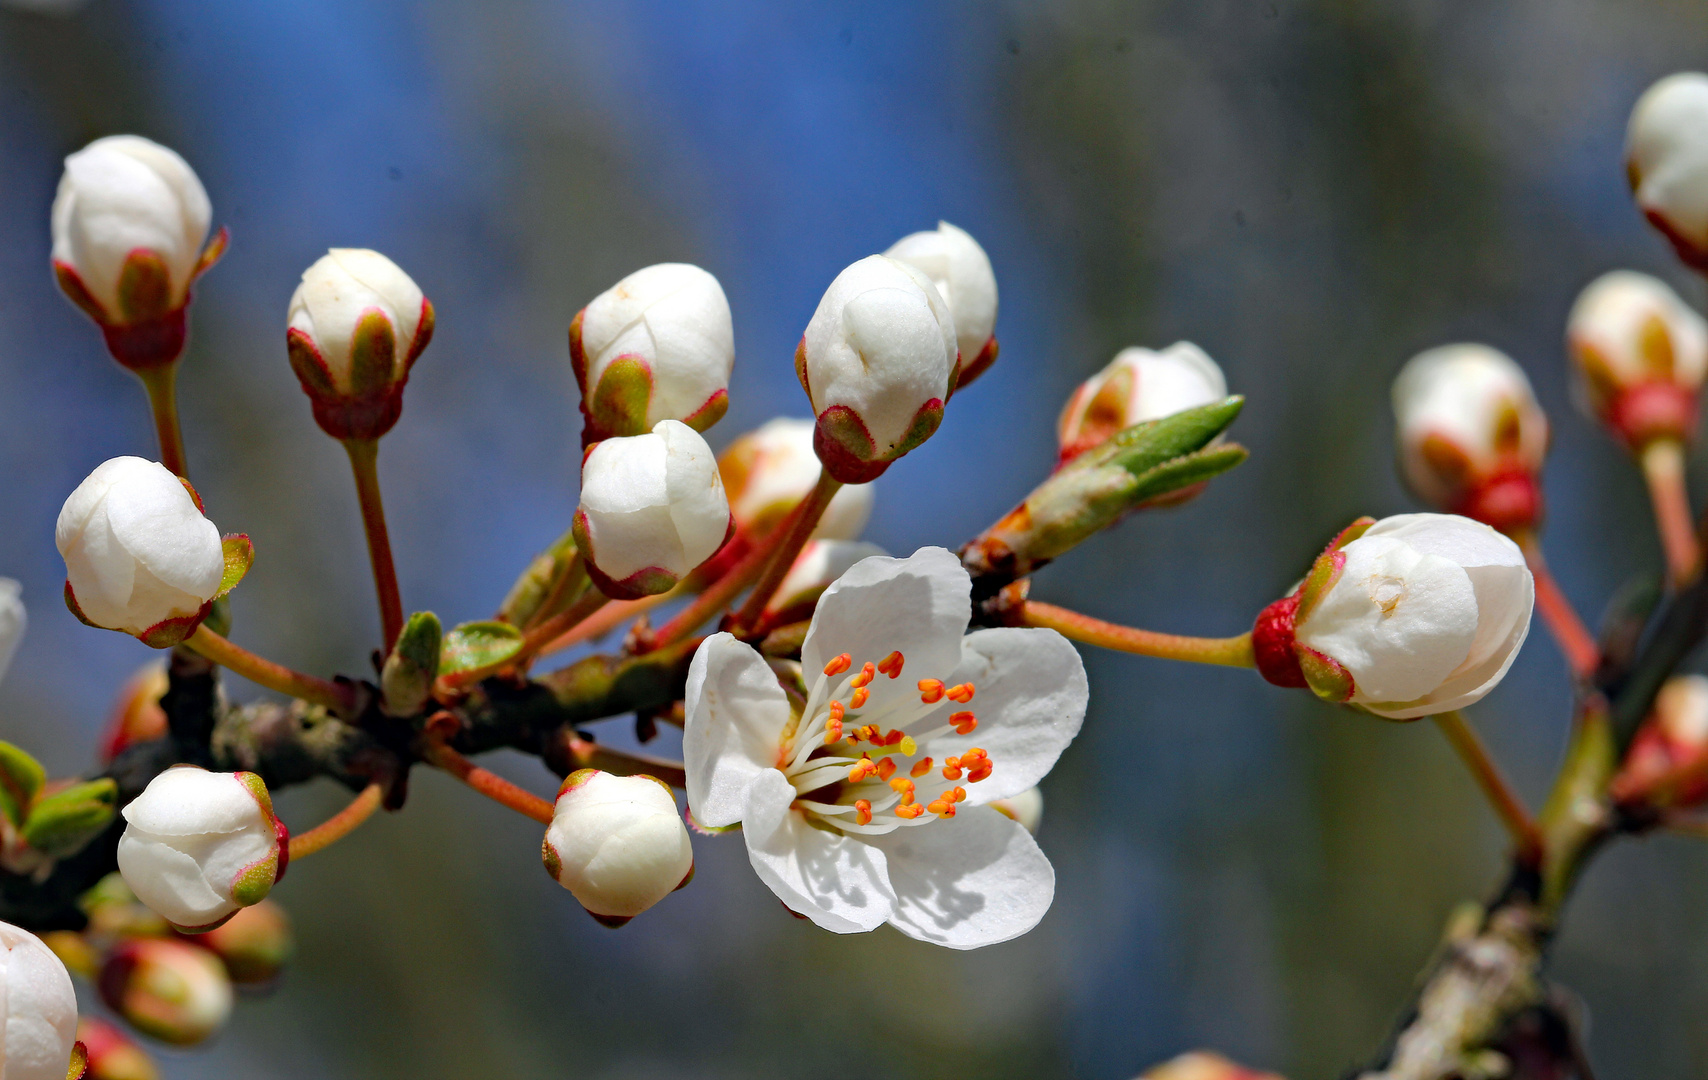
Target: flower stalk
x,y
488,783
1226,652
1568,629
364,459
339,825
162,385
340,698
1663,468
793,538
1494,785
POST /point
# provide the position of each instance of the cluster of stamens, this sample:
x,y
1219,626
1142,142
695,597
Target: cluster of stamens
x,y
820,755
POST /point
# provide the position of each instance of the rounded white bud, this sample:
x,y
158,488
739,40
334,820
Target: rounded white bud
x,y
960,269
1666,160
38,1009
129,221
1639,356
1138,385
617,843
139,555
657,345
12,622
356,324
199,845
652,509
1471,435
876,360
770,469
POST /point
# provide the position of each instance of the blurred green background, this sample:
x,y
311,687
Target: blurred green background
x,y
1312,190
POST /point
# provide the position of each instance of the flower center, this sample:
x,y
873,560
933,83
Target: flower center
x,y
861,766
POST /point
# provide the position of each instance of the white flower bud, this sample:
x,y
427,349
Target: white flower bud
x,y
770,469
139,555
1409,616
876,360
167,989
129,221
960,269
617,844
657,345
199,845
12,622
38,1009
1027,808
1666,160
1471,435
819,563
356,325
652,509
1639,355
1138,385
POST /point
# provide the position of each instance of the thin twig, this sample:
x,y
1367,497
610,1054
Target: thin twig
x,y
364,462
339,825
1663,468
1573,637
335,696
162,386
488,783
1228,652
1505,801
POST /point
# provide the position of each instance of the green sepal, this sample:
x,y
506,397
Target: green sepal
x,y
252,885
620,400
21,779
408,674
1187,470
145,286
478,645
1144,446
1326,570
61,824
1326,677
239,557
373,355
219,617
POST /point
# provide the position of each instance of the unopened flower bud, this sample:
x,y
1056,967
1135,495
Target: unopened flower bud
x,y
129,221
1406,617
407,677
1639,355
1471,435
1138,385
255,943
66,817
1666,160
819,564
960,269
1027,808
1675,735
652,509
113,1055
167,989
657,345
38,1008
617,843
140,557
137,716
13,620
199,845
1203,1065
357,324
877,359
767,471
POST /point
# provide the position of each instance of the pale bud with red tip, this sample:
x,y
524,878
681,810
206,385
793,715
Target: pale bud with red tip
x,y
255,943
129,222
167,989
878,360
657,345
1138,385
1203,1065
137,716
1639,356
1666,161
356,325
819,564
113,1055
1657,770
38,1009
767,471
960,269
617,843
1471,436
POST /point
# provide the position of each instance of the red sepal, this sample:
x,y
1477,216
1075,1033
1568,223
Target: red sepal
x,y
1273,646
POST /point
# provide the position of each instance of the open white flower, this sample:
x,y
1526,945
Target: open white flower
x,y
877,360
657,345
199,845
139,555
1471,435
617,843
1639,356
871,805
1138,385
38,1009
1406,617
1666,158
960,269
12,622
771,468
652,509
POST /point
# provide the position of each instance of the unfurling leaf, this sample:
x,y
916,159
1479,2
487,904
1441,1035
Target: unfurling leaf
x,y
478,645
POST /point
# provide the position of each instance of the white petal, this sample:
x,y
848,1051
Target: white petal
x,y
734,715
919,605
187,801
838,882
12,622
974,880
395,290
169,881
155,519
698,507
1029,696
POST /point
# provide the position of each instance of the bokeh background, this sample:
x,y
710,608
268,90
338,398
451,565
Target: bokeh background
x,y
1313,190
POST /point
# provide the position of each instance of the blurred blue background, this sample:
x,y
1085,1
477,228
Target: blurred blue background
x,y
1312,190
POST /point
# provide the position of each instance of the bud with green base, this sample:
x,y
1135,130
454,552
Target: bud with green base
x,y
408,673
167,989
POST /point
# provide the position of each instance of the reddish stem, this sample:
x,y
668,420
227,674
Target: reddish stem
x,y
1228,652
162,386
364,460
339,825
488,783
799,530
1505,801
337,697
1570,634
1663,468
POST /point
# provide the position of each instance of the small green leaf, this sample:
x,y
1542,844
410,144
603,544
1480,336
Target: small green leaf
x,y
408,674
478,645
1186,470
62,823
1145,446
239,556
21,777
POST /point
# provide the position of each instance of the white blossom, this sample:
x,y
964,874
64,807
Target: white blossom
x,y
1138,385
657,345
872,805
767,471
1639,356
199,845
1666,158
617,843
960,269
139,554
876,360
652,509
38,1009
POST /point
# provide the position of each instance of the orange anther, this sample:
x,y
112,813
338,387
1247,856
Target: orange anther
x,y
962,693
886,768
867,671
894,737
858,701
951,772
839,665
891,664
979,772
959,793
832,731
836,710
930,691
862,769
964,722
920,767
868,732
975,752
863,811
910,811
901,784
